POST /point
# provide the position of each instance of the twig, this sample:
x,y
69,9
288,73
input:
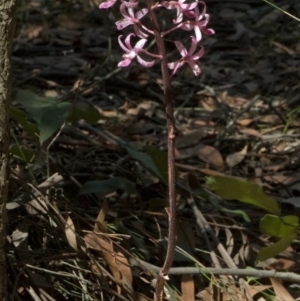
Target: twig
x,y
287,276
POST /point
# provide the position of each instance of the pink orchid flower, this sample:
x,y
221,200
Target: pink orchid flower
x,y
187,57
182,8
199,24
131,18
132,52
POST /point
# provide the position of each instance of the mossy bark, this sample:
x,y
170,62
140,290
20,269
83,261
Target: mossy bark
x,y
7,26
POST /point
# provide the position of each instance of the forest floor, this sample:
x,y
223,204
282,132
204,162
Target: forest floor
x,y
87,192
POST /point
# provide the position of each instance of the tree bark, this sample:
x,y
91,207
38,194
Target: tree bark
x,y
7,25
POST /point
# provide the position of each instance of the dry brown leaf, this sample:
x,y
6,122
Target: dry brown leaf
x,y
255,289
95,242
233,293
245,252
186,153
283,48
71,233
210,172
272,119
210,155
188,287
146,108
189,139
74,22
124,268
245,122
210,293
280,291
236,158
141,127
229,241
116,261
100,221
281,264
250,132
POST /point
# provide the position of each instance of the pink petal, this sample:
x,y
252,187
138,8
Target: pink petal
x,y
107,4
195,67
139,32
145,63
198,33
124,12
188,25
208,31
198,54
127,41
141,13
169,4
139,45
123,23
189,6
193,46
181,48
124,63
175,66
122,45
131,3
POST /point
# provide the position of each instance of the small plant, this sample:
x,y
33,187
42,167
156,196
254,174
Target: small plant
x,y
190,17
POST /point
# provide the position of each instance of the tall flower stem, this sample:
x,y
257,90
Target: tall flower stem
x,y
171,153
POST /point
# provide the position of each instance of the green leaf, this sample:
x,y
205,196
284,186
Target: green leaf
x,y
90,115
160,159
20,117
46,111
279,226
237,212
107,186
52,119
157,203
22,153
276,248
33,103
145,160
243,191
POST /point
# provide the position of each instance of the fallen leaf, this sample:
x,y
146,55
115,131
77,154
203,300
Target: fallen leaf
x,y
280,291
250,132
116,261
188,287
71,233
210,155
189,139
236,158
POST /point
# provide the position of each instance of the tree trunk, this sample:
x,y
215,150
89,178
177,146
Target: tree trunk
x,y
7,25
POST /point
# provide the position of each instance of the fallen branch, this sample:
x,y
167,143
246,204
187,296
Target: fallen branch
x,y
287,276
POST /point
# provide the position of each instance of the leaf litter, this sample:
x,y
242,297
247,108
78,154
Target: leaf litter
x,y
93,185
